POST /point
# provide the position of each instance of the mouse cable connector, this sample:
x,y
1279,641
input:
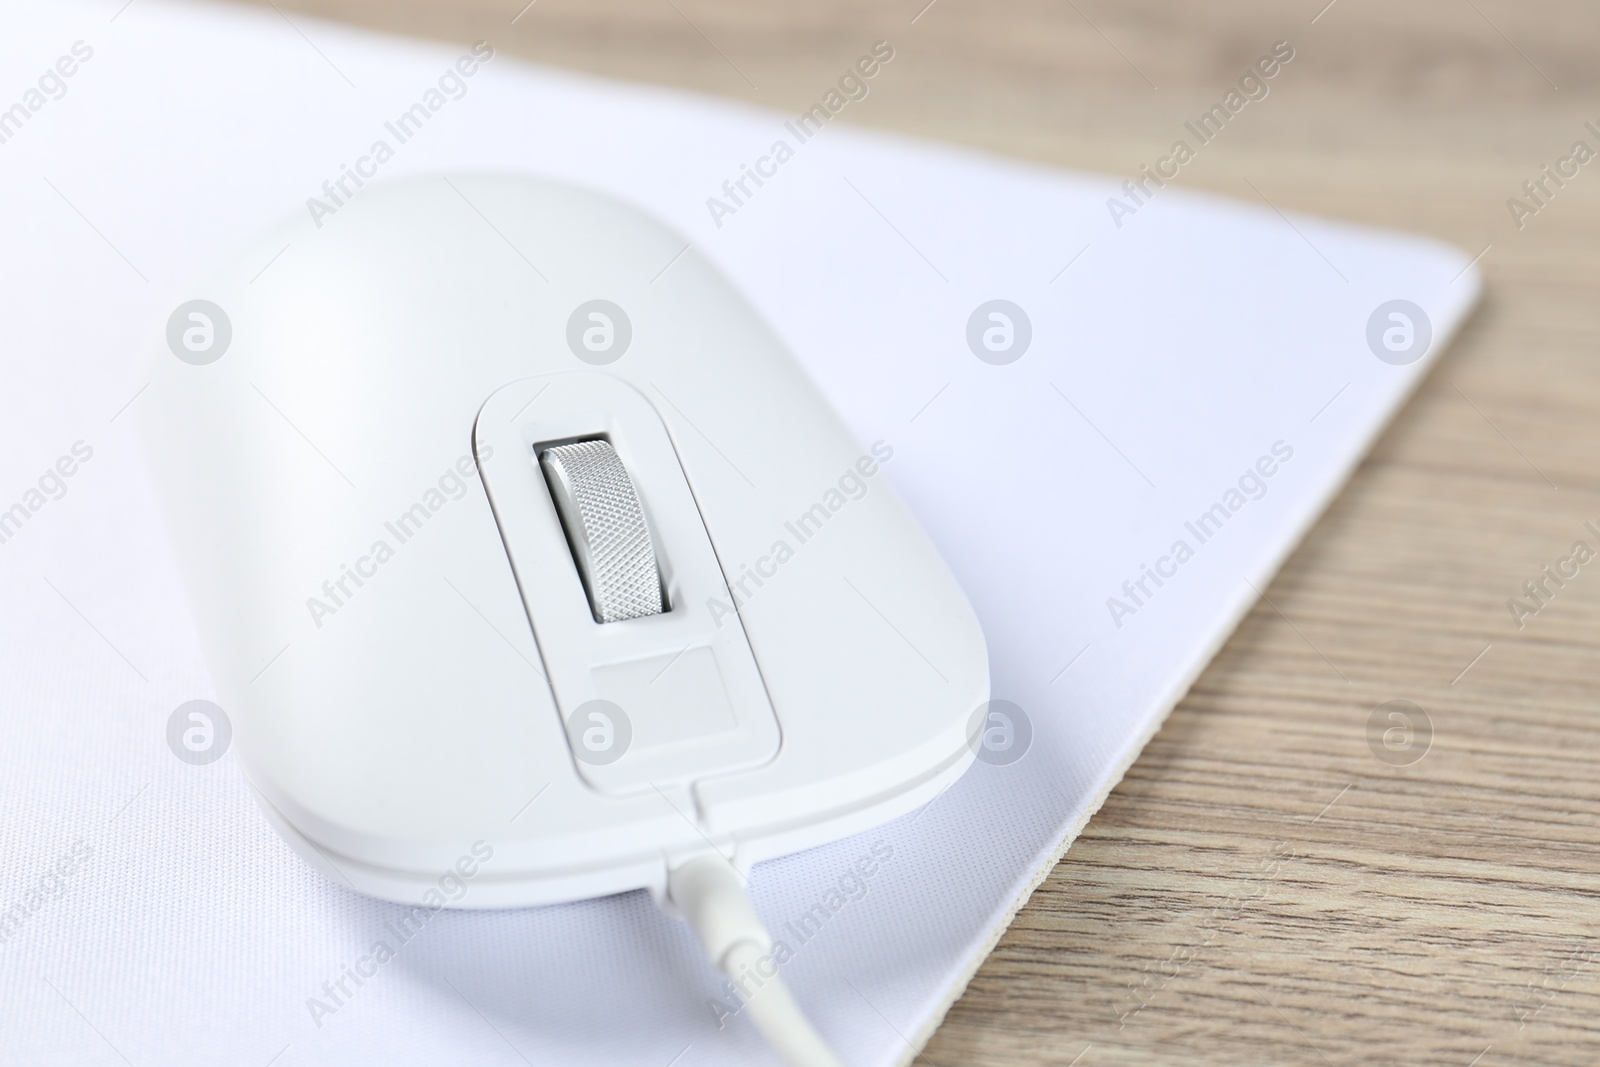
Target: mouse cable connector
x,y
709,894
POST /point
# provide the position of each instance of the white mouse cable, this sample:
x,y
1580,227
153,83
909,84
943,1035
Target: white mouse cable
x,y
709,894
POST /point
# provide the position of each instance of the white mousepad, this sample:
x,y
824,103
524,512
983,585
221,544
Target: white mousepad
x,y
1115,433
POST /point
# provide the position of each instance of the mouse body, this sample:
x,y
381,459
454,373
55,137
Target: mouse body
x,y
416,459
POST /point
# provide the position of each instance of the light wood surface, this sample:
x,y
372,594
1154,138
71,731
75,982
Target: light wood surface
x,y
1261,889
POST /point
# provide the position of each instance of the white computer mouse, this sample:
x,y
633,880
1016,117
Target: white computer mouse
x,y
516,541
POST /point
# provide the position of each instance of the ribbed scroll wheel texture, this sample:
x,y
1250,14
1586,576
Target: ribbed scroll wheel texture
x,y
624,582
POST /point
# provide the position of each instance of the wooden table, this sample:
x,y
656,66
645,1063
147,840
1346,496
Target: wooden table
x,y
1261,888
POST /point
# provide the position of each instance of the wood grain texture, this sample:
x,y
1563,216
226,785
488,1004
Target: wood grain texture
x,y
1260,888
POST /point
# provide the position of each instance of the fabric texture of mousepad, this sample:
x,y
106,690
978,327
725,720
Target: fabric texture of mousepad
x,y
1114,419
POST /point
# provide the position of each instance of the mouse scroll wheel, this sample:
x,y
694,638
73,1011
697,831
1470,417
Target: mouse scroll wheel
x,y
605,528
